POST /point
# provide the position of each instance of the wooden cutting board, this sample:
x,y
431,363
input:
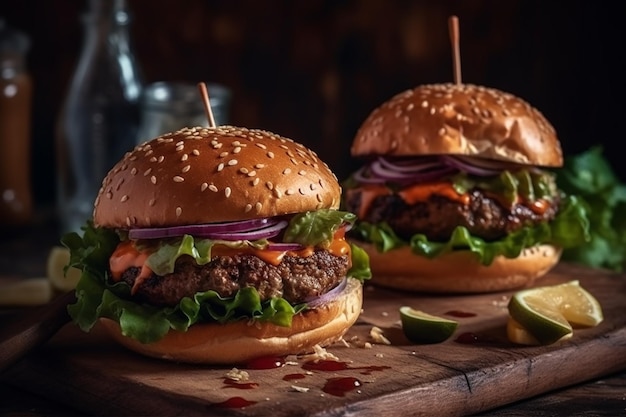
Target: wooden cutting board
x,y
91,373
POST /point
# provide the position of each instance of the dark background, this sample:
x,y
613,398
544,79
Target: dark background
x,y
313,70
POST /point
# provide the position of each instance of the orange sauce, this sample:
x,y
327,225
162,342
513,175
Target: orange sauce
x,y
126,256
422,192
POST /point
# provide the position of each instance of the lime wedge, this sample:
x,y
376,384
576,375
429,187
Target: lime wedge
x,y
518,334
420,327
547,313
58,257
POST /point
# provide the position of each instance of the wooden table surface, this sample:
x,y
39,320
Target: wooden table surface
x,y
24,254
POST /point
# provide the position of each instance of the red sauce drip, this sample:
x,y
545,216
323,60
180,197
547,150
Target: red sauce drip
x,y
458,313
234,402
266,362
332,366
472,338
229,383
339,386
291,377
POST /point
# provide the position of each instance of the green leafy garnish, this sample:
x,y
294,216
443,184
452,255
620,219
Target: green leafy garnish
x,y
590,176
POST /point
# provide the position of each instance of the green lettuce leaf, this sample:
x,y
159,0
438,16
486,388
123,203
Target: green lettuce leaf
x,y
316,228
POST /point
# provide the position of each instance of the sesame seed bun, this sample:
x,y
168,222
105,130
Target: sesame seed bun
x,y
460,119
459,271
239,173
241,341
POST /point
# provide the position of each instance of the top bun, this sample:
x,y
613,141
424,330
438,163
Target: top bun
x,y
203,175
461,119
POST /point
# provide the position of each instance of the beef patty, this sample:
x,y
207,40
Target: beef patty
x,y
438,216
295,279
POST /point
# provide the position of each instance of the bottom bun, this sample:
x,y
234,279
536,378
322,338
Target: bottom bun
x,y
242,341
460,271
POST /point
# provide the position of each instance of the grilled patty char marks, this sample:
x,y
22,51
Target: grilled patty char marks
x,y
294,279
438,216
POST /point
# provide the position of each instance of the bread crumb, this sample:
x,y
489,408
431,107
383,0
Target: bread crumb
x,y
376,333
237,375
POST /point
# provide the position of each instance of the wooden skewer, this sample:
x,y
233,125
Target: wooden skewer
x,y
453,25
207,103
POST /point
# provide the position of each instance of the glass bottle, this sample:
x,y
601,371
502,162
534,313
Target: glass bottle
x,y
99,119
15,129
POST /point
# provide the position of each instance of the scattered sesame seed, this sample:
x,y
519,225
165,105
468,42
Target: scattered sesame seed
x,y
186,168
151,202
213,188
258,206
153,179
124,198
179,211
220,167
204,186
247,208
133,171
227,192
232,162
178,178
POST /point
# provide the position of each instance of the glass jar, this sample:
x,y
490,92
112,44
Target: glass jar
x,y
169,106
16,87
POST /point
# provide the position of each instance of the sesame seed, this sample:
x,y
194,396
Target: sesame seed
x,y
269,185
153,179
195,152
186,168
232,162
153,159
302,172
227,192
161,158
223,154
286,171
151,202
178,178
258,206
289,191
220,167
243,170
179,211
252,174
184,157
259,166
237,149
270,155
147,172
180,148
260,145
124,198
277,193
133,171
255,181
248,208
213,188
204,186
109,195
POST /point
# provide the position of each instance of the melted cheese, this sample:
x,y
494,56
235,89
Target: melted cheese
x,y
422,192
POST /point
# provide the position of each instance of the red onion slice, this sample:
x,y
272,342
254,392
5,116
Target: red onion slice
x,y
478,166
264,233
313,302
201,230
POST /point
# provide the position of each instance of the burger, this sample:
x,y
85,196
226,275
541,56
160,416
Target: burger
x,y
218,245
456,192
